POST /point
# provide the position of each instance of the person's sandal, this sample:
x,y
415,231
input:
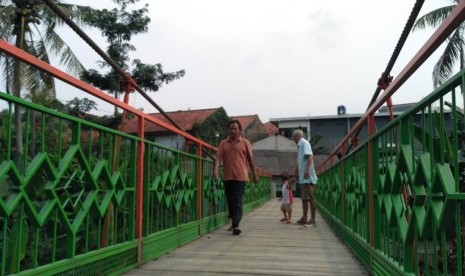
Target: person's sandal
x,y
311,222
300,222
236,231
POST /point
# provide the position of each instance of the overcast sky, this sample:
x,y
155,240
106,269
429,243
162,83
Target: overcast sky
x,y
273,58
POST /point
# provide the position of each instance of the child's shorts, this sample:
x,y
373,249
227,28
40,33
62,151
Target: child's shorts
x,y
286,207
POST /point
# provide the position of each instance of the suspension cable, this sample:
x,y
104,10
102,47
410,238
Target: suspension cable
x,y
385,78
400,43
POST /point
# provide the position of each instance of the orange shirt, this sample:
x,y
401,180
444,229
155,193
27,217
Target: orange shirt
x,y
234,154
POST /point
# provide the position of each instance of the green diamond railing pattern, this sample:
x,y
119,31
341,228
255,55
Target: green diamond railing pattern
x,y
57,193
398,199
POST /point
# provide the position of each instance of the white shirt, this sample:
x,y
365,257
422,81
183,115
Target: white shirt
x,y
285,194
304,149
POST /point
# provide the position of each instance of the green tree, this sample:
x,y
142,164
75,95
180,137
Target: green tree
x,y
79,107
118,26
30,25
212,130
453,51
317,148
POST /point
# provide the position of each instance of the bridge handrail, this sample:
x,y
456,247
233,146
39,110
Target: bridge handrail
x,y
451,23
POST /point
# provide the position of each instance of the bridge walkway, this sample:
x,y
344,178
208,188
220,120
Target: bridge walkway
x,y
266,246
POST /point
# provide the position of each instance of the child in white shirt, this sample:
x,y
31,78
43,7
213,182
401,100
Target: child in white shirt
x,y
287,199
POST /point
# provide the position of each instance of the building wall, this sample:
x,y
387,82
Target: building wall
x,y
334,128
169,140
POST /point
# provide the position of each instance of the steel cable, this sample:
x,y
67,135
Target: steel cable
x,y
385,78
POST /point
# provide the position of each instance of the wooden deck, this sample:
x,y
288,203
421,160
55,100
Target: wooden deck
x,y
265,247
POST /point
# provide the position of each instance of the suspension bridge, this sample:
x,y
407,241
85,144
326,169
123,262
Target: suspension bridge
x,y
79,198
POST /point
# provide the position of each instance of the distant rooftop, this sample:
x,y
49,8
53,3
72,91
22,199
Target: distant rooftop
x,y
184,118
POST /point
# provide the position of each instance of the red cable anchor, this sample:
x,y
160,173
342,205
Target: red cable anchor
x,y
384,81
128,84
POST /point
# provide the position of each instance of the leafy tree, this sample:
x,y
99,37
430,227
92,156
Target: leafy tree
x,y
30,25
317,148
454,49
212,130
118,26
79,107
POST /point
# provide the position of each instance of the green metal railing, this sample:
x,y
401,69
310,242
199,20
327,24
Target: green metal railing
x,y
58,192
69,197
398,200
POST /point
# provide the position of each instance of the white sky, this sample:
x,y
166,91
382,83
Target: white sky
x,y
273,58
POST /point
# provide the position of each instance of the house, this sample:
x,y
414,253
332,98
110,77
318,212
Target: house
x,y
271,128
203,123
209,125
252,127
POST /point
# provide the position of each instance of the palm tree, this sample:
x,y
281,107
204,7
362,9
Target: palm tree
x,y
454,50
30,26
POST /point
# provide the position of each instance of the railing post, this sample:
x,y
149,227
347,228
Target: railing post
x,y
199,188
139,187
371,131
343,190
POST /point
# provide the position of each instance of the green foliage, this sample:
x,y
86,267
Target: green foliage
x,y
213,129
30,25
151,77
3,133
316,147
118,26
454,50
78,107
17,244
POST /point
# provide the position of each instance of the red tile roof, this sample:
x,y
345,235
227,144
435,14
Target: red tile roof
x,y
245,120
184,118
271,128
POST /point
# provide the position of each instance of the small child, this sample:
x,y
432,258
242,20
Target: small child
x,y
287,199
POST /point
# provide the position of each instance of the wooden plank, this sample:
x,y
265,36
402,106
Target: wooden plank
x,y
265,247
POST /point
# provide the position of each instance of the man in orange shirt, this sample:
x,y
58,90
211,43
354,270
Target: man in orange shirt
x,y
235,153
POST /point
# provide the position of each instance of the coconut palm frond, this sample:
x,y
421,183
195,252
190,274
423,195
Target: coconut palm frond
x,y
40,48
28,75
5,33
67,57
72,11
445,65
6,24
433,19
37,37
7,64
38,81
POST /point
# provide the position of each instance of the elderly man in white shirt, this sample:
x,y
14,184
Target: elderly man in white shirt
x,y
307,177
